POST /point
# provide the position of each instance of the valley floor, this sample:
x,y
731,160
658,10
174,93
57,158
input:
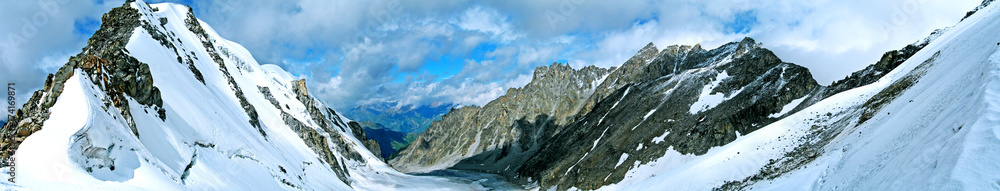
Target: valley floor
x,y
489,181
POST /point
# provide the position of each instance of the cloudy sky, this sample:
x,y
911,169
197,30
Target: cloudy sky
x,y
469,52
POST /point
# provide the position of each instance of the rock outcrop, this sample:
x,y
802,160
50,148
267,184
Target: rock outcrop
x,y
554,96
586,131
705,99
388,141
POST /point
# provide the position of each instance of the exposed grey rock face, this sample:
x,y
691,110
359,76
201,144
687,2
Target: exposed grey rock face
x,y
388,141
360,134
643,120
682,98
889,61
321,140
555,95
652,84
194,26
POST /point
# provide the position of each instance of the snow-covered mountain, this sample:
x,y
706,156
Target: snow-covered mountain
x,y
933,123
682,97
736,117
158,100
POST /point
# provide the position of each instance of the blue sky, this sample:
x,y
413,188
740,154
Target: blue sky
x,y
470,52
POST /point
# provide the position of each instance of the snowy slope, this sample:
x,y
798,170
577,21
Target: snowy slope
x,y
940,131
207,140
930,124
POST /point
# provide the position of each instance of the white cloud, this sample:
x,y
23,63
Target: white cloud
x,y
835,38
354,52
487,21
832,38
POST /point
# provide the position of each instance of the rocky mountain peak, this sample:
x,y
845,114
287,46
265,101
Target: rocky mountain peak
x,y
748,43
556,69
681,49
554,96
648,49
643,56
106,61
300,87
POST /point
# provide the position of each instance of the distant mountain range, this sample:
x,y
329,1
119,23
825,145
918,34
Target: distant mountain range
x,y
394,126
400,118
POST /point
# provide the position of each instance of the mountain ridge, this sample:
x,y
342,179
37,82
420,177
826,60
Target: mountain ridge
x,y
655,69
159,98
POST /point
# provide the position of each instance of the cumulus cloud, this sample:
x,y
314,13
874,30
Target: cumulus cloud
x,y
470,52
832,38
487,21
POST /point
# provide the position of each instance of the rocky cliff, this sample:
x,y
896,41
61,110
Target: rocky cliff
x,y
588,132
555,95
